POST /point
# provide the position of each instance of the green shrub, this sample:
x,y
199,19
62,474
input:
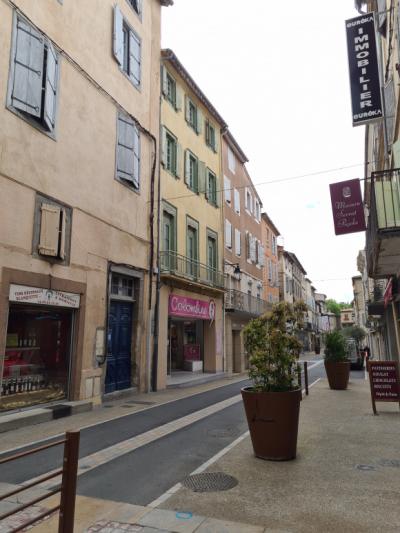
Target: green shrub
x,y
335,347
273,348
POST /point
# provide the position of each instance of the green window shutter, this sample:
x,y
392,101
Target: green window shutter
x,y
163,146
51,88
118,37
28,70
179,160
187,110
164,80
207,131
201,172
187,167
207,184
218,191
216,140
178,97
200,120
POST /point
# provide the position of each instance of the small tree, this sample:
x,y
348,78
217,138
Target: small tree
x,y
273,347
335,347
356,332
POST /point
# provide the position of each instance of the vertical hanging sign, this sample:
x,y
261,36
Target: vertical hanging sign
x,y
366,100
347,207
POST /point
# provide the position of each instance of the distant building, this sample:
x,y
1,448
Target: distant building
x,y
270,235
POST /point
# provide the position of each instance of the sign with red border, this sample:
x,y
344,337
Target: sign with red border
x,y
384,382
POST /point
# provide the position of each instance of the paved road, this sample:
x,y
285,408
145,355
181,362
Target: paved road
x,y
144,474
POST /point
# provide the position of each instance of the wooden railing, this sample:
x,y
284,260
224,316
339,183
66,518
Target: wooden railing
x,y
69,469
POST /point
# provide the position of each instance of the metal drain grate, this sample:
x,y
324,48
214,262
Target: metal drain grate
x,y
365,468
210,482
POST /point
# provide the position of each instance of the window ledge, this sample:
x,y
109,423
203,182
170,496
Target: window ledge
x,y
126,184
32,122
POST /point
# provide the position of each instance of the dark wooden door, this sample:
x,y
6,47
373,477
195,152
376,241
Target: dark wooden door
x,y
119,341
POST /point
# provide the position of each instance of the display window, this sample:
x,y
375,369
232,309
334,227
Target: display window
x,y
36,364
185,343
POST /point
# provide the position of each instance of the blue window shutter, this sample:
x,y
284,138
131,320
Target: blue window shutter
x,y
118,45
126,149
134,58
136,160
28,70
51,87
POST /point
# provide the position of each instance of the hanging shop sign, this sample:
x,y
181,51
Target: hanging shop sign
x,y
181,306
366,100
388,295
347,207
384,382
36,295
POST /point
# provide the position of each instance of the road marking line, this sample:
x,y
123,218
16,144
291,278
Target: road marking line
x,y
161,499
140,410
101,457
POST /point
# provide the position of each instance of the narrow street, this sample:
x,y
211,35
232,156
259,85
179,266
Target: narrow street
x,y
141,473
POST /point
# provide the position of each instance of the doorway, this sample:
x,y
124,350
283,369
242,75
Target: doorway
x,y
236,351
119,342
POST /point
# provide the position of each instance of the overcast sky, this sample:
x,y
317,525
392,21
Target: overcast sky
x,y
277,73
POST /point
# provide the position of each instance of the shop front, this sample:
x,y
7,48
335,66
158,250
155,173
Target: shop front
x,y
189,323
36,366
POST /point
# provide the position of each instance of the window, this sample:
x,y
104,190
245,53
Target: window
x,y
193,115
253,249
238,243
211,138
52,230
231,161
191,247
249,200
191,171
237,201
128,152
127,48
211,189
211,255
34,74
121,286
273,245
257,210
228,234
227,190
268,238
136,5
170,89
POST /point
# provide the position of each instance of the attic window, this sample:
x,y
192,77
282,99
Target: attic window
x,y
136,5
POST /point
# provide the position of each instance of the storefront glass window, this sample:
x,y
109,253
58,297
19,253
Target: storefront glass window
x,y
37,356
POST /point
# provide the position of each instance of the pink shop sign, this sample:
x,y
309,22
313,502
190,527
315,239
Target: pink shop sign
x,y
191,308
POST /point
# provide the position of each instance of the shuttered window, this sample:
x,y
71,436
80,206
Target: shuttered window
x,y
238,243
228,234
237,201
128,151
52,231
127,48
227,189
34,76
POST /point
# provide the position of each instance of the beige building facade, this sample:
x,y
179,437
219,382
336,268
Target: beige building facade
x,y
243,252
191,283
270,235
80,124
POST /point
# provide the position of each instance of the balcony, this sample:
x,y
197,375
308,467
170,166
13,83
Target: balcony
x,y
186,270
383,232
245,304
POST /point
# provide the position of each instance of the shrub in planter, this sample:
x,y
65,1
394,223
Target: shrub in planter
x,y
272,403
337,365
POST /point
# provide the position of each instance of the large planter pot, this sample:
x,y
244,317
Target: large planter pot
x,y
273,419
338,374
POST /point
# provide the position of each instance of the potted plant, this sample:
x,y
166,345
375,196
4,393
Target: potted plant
x,y
272,403
337,365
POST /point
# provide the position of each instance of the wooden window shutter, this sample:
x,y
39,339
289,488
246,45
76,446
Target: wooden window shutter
x,y
163,146
201,187
134,58
200,119
164,80
216,135
63,227
51,88
238,247
28,70
178,97
118,45
228,234
187,167
207,131
218,191
125,149
207,184
49,230
179,160
247,245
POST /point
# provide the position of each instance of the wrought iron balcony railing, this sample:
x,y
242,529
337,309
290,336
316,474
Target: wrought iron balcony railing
x,y
240,301
384,222
186,268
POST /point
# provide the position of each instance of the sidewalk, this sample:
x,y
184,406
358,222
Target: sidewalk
x,y
345,479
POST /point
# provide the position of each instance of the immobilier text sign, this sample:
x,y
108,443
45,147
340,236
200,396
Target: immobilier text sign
x,y
384,381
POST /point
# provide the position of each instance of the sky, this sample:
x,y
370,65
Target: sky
x,y
277,72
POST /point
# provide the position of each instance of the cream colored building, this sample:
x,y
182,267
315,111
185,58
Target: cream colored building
x,y
78,142
190,325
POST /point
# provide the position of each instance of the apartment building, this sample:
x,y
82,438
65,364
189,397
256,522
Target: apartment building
x,y
244,253
80,123
382,177
191,291
291,277
270,235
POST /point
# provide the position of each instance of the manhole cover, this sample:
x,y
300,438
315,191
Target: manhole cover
x,y
365,468
390,462
209,482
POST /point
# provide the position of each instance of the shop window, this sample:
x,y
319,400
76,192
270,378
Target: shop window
x,y
52,230
37,356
